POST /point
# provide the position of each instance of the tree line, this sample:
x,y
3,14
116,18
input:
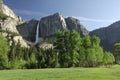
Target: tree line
x,y
70,50
76,51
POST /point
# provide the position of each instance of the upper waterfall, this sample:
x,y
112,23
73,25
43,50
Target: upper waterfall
x,y
37,35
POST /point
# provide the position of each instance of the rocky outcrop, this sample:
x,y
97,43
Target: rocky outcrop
x,y
8,22
7,11
19,39
46,46
28,30
49,25
33,34
74,24
11,20
108,35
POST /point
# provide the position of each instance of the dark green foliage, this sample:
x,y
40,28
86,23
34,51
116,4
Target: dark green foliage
x,y
117,52
4,48
86,42
31,59
76,51
47,58
67,44
82,56
16,56
70,50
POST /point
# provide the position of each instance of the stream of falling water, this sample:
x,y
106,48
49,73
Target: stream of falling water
x,y
37,38
37,35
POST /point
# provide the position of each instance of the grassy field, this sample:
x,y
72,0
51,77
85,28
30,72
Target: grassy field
x,y
101,73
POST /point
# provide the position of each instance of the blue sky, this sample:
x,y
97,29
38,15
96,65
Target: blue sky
x,y
92,14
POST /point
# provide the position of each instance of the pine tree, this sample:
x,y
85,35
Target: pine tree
x,y
117,52
4,49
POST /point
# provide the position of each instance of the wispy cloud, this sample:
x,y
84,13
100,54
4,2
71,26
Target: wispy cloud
x,y
40,14
93,20
28,12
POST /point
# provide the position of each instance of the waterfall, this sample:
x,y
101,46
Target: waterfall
x,y
37,38
37,35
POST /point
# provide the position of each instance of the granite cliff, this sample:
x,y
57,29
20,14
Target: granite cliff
x,y
50,24
35,31
8,22
73,23
48,27
108,35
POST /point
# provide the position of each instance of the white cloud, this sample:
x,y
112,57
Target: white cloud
x,y
35,13
28,12
93,20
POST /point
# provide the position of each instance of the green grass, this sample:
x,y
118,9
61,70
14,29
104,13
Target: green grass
x,y
63,74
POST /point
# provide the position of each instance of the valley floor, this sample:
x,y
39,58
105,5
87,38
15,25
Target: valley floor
x,y
101,73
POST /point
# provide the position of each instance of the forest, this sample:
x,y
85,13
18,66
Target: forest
x,y
70,50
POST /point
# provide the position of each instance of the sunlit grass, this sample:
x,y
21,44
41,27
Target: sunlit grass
x,y
101,73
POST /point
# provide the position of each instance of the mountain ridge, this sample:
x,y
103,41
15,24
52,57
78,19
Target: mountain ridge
x,y
108,35
48,26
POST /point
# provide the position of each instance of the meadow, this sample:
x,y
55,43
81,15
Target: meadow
x,y
99,73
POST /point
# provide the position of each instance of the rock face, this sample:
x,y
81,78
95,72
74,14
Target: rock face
x,y
108,35
28,30
73,23
49,25
46,46
19,39
10,22
7,11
